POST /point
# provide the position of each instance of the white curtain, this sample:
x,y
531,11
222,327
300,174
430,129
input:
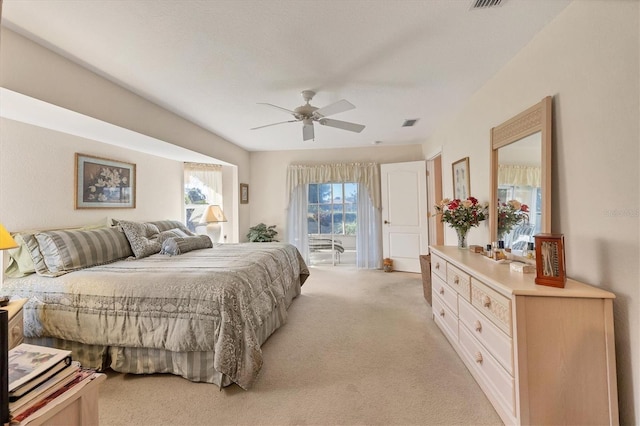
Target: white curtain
x,y
297,227
367,175
515,175
208,179
368,232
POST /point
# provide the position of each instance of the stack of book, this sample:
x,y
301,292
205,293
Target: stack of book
x,y
37,375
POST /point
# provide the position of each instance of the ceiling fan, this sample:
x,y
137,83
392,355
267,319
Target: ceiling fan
x,y
307,113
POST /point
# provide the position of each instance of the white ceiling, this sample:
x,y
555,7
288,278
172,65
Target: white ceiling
x,y
212,61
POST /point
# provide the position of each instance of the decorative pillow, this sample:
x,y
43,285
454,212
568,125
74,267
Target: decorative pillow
x,y
171,233
31,243
180,245
143,238
21,262
69,250
165,225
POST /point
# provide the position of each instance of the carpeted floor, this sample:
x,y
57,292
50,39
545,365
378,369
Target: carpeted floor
x,y
359,348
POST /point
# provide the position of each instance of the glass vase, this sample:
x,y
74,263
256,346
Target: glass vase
x,y
462,238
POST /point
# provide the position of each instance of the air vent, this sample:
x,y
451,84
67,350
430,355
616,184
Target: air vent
x,y
484,4
410,123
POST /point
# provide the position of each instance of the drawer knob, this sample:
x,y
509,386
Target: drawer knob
x,y
437,266
441,290
486,301
442,313
478,326
478,357
456,280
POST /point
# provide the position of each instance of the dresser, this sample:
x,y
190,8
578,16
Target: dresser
x,y
542,355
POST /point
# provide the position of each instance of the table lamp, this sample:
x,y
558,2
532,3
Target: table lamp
x,y
212,216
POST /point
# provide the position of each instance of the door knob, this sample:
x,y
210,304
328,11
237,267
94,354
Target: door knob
x,y
386,222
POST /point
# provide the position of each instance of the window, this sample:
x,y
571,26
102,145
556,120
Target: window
x,y
332,208
202,186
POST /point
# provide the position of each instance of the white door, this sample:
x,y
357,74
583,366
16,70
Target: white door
x,y
404,214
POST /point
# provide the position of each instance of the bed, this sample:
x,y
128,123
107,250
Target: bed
x,y
201,313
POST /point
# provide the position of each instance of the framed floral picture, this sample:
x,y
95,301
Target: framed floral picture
x,y
104,184
461,182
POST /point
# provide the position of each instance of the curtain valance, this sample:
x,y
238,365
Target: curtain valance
x,y
519,175
202,167
365,173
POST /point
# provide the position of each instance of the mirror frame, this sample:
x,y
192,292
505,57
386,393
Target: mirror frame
x,y
537,118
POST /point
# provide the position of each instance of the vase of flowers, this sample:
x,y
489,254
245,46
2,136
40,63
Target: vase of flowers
x,y
462,215
510,214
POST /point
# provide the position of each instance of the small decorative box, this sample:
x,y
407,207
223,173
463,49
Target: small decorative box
x,y
476,249
524,268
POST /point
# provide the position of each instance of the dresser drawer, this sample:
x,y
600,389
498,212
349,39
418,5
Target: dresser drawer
x,y
501,384
459,280
491,337
492,304
439,266
446,293
16,330
445,318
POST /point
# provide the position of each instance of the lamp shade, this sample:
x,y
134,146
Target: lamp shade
x,y
6,241
213,214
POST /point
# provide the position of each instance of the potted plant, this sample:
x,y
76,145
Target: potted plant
x,y
262,233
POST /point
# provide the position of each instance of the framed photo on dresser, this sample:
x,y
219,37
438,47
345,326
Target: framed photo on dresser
x,y
550,263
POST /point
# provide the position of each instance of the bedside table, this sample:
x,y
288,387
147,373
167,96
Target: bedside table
x,y
16,321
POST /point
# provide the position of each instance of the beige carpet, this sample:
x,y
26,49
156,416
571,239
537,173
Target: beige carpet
x,y
359,348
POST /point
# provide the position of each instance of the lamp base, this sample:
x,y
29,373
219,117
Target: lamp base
x,y
213,230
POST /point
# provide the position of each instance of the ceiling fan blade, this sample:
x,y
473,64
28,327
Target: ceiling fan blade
x,y
344,125
334,108
307,132
273,124
277,107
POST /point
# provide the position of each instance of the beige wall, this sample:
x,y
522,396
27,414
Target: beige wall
x,y
269,175
37,169
30,69
588,59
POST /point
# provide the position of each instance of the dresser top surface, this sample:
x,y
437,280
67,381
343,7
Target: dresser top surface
x,y
509,282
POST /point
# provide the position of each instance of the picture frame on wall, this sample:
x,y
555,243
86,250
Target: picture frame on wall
x,y
102,183
244,193
550,260
461,181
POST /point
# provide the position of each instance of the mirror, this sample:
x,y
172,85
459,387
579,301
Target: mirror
x,y
521,171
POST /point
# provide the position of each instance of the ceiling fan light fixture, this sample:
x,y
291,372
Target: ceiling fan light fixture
x,y
308,113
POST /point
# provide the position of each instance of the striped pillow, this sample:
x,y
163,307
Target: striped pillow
x,y
165,225
66,251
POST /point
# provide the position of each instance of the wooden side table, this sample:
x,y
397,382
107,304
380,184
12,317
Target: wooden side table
x,y
76,407
16,321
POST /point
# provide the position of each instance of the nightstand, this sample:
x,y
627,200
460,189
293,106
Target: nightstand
x,y
16,321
